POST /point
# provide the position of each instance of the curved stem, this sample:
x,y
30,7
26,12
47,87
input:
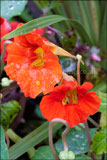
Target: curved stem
x,y
63,135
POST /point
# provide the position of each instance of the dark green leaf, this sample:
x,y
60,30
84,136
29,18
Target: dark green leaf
x,y
44,153
99,145
32,139
76,140
3,147
103,35
95,15
38,111
82,157
103,106
85,14
9,111
99,87
52,5
73,10
103,64
12,8
26,15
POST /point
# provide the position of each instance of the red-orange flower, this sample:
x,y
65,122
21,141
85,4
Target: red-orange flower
x,y
6,27
32,64
70,102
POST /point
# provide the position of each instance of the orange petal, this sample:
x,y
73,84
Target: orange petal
x,y
89,103
24,80
12,70
84,88
51,109
52,73
37,83
21,40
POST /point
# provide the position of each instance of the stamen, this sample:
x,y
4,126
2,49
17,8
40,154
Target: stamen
x,y
38,62
71,97
64,101
37,83
39,57
39,52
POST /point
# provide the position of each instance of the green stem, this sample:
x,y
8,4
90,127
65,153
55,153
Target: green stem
x,y
15,138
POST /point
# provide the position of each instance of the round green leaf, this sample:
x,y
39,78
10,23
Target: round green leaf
x,y
76,140
10,8
82,157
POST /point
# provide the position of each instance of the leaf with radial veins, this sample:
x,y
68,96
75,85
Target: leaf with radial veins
x,y
76,140
12,8
45,153
44,22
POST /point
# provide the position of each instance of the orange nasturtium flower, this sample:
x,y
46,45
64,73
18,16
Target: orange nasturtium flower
x,y
5,27
70,102
32,64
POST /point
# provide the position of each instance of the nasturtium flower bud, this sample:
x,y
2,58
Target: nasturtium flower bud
x,y
66,155
5,82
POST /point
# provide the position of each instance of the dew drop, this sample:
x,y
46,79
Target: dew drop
x,y
21,33
83,144
37,83
73,139
17,66
77,135
11,7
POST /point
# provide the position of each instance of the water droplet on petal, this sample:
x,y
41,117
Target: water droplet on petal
x,y
37,83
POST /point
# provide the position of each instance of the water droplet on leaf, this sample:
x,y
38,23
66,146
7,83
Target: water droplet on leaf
x,y
11,7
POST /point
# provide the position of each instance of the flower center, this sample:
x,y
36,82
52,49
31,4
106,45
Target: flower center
x,y
70,96
39,57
